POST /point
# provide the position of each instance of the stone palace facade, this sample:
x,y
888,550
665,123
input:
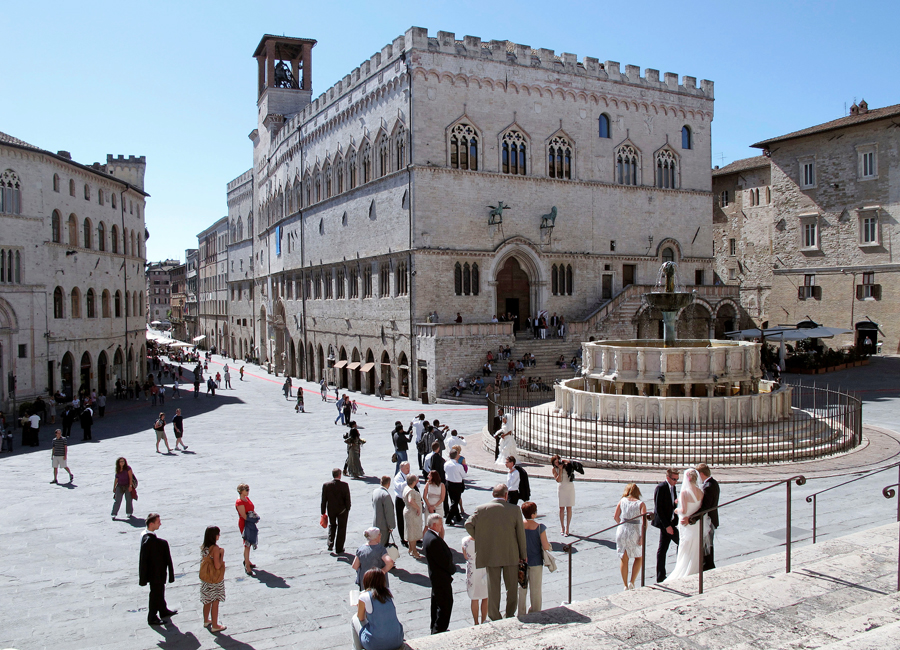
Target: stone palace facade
x,y
72,272
447,176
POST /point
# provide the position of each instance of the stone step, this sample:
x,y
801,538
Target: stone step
x,y
841,595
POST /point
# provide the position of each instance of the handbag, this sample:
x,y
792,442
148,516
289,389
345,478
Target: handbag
x,y
394,457
209,573
323,521
134,495
392,550
549,561
522,577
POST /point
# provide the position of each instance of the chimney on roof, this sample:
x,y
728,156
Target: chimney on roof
x,y
863,107
854,109
64,154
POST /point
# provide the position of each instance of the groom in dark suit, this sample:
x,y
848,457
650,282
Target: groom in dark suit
x,y
710,500
664,518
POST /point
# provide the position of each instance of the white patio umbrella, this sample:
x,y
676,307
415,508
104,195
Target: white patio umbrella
x,y
199,338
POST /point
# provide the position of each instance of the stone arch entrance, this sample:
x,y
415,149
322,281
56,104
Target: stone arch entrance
x,y
368,372
726,320
67,375
102,363
403,375
263,335
342,377
311,361
386,371
513,291
292,361
355,375
321,362
85,374
693,322
279,323
301,368
119,365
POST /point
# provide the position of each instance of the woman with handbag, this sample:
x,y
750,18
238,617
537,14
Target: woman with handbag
x,y
212,578
372,555
535,544
123,485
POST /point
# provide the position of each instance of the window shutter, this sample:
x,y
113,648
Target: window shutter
x,y
859,292
817,292
801,292
876,291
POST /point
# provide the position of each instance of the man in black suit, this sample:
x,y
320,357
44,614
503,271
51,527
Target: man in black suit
x,y
155,561
440,572
710,500
336,504
664,518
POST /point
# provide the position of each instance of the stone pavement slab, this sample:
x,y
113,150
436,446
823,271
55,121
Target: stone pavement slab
x,y
71,573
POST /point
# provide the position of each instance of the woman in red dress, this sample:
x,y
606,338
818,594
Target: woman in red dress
x,y
244,505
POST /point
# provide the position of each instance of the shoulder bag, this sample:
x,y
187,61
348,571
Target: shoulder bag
x,y
208,571
392,550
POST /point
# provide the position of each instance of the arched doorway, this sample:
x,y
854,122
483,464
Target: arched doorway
x,y
301,367
129,367
726,320
101,372
142,363
67,375
292,367
263,335
386,372
118,365
403,375
355,378
514,292
693,322
321,359
84,381
311,363
368,372
279,325
342,379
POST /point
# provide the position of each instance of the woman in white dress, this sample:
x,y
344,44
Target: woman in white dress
x,y
688,561
507,442
630,534
476,581
565,491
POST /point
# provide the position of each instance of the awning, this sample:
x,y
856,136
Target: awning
x,y
353,365
199,338
341,363
181,344
367,366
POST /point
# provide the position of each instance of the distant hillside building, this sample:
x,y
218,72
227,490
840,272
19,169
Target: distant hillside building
x,y
159,290
71,272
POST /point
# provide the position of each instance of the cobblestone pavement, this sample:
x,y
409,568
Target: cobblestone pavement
x,y
69,576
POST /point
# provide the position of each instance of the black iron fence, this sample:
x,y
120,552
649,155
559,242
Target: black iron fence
x,y
822,422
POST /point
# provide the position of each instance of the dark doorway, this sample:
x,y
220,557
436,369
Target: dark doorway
x,y
513,285
67,375
85,385
867,337
101,372
628,273
606,289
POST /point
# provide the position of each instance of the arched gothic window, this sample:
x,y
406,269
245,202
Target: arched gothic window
x,y
666,166
463,147
401,280
400,147
117,304
366,163
127,304
559,158
339,175
603,125
458,279
240,229
668,255
100,197
87,192
101,237
687,140
104,304
569,280
56,227
112,200
351,169
384,156
627,165
73,230
561,280
114,238
133,249
87,234
71,187
554,280
90,301
58,303
467,279
10,193
75,303
328,182
512,153
56,182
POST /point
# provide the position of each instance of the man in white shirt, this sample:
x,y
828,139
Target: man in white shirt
x,y
456,474
418,425
455,439
512,480
397,490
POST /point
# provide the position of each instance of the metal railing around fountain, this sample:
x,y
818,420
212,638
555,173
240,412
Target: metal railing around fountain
x,y
823,422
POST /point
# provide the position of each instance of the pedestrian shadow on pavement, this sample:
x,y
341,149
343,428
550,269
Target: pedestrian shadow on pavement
x,y
230,643
371,480
271,580
555,615
175,639
403,575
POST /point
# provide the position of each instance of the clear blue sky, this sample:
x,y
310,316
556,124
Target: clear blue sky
x,y
175,81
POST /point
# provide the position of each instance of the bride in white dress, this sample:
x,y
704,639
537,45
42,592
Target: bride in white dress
x,y
507,441
688,561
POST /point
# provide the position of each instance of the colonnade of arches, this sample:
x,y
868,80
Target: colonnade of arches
x,y
88,372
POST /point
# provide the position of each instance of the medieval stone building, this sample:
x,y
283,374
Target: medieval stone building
x,y
447,176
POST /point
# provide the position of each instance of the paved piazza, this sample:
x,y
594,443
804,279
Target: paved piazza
x,y
69,576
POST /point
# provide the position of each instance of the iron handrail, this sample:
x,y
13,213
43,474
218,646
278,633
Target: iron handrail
x,y
889,493
567,548
812,497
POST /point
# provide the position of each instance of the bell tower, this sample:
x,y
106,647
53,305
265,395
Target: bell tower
x,y
284,77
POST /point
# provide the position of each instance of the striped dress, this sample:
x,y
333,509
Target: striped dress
x,y
210,592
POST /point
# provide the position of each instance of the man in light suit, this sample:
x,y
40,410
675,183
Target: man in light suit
x,y
383,504
710,500
440,572
499,533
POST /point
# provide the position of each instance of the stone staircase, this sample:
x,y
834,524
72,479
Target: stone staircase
x,y
546,352
841,595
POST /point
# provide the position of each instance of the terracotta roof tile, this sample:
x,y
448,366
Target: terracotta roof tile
x,y
8,139
742,165
870,116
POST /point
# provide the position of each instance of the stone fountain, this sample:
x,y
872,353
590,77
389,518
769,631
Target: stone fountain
x,y
669,302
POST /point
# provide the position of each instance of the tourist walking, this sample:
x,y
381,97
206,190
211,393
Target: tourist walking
x,y
535,543
347,410
31,434
340,409
412,514
286,388
123,483
247,518
101,403
210,387
383,506
440,571
399,485
242,373
68,418
162,394
354,446
375,625
371,555
227,378
178,429
401,439
630,533
196,384
86,419
212,578
564,474
299,407
160,427
323,388
499,533
476,581
381,389
336,505
59,456
664,518
155,564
